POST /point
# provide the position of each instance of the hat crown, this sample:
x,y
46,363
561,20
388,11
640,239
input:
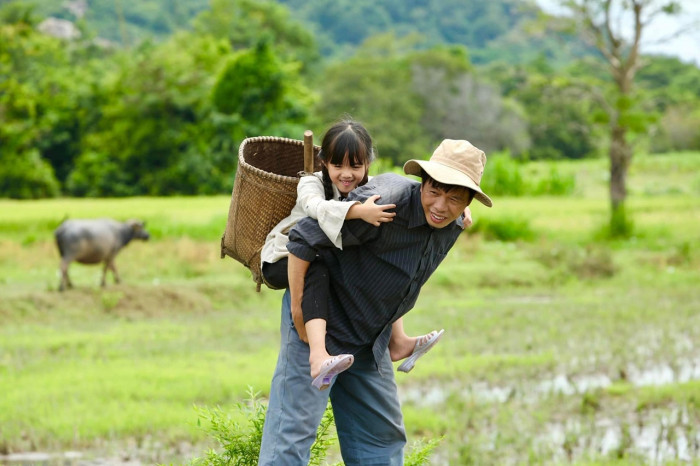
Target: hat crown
x,y
461,155
454,162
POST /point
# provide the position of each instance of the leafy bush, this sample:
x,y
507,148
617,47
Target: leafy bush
x,y
555,184
678,129
504,229
240,445
504,176
157,134
27,177
420,452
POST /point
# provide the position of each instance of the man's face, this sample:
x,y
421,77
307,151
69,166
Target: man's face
x,y
443,207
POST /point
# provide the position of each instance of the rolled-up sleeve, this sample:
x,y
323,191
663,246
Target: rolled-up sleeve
x,y
307,237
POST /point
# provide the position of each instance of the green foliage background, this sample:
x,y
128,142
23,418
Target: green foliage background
x,y
154,97
153,100
531,298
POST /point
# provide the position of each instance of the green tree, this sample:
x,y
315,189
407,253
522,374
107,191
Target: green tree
x,y
669,81
176,112
257,87
374,86
673,89
411,100
244,22
157,133
458,104
558,109
40,105
616,28
23,173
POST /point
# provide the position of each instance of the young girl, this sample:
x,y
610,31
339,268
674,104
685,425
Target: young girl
x,y
346,152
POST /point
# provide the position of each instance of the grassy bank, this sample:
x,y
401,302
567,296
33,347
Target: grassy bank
x,y
559,346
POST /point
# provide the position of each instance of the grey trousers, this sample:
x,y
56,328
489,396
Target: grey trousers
x,y
365,405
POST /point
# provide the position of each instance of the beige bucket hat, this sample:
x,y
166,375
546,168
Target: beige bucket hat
x,y
455,161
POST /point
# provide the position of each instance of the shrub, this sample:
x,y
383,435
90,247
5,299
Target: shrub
x,y
555,184
420,452
503,177
27,176
679,129
240,445
504,229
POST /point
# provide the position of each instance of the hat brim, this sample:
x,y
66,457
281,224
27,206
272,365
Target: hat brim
x,y
446,175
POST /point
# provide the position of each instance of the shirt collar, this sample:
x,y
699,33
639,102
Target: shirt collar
x,y
417,215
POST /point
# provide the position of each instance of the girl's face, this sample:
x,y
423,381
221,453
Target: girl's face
x,y
346,177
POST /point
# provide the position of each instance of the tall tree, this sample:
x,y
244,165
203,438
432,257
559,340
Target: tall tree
x,y
616,29
411,100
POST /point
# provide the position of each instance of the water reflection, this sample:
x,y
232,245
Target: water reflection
x,y
656,374
654,435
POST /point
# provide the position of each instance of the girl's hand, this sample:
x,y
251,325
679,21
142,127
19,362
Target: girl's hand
x,y
374,213
467,220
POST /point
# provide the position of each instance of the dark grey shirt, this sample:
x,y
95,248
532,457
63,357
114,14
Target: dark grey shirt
x,y
376,277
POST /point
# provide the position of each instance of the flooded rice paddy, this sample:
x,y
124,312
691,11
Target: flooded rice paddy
x,y
574,418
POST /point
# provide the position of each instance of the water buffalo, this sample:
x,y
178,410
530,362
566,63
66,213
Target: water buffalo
x,y
94,241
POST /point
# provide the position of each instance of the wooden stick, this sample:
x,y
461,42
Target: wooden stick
x,y
308,151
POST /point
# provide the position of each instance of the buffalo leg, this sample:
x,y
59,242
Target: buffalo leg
x,y
109,264
114,272
65,278
103,283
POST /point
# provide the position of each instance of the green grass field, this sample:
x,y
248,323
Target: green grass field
x,y
560,346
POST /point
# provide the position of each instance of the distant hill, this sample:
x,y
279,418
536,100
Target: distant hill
x,y
123,21
494,30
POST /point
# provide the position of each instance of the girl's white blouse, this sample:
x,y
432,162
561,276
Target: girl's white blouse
x,y
311,202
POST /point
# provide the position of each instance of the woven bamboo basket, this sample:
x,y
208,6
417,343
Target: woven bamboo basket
x,y
264,192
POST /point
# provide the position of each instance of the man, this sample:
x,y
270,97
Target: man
x,y
375,279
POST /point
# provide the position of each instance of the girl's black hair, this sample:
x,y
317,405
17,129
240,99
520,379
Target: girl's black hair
x,y
348,138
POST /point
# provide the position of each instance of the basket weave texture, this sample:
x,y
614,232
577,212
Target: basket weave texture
x,y
264,193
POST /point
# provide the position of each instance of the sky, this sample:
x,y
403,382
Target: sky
x,y
686,47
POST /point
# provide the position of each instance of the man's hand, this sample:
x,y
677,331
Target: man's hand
x,y
296,271
298,319
372,213
467,219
